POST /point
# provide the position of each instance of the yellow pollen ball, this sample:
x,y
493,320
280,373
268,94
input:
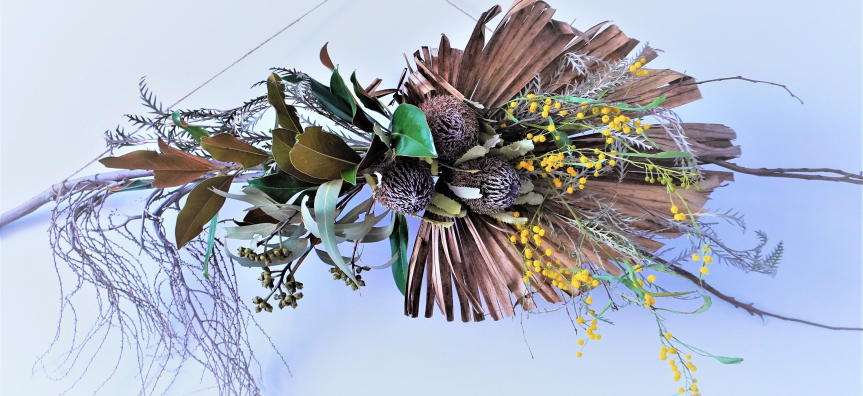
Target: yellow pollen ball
x,y
609,140
667,335
695,257
605,118
580,341
580,116
551,128
704,270
515,214
513,104
674,209
651,278
564,112
612,162
588,300
557,105
548,101
708,259
578,354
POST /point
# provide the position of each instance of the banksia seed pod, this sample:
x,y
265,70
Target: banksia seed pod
x,y
497,181
453,126
406,185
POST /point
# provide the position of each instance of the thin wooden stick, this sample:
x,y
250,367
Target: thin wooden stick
x,y
793,173
737,304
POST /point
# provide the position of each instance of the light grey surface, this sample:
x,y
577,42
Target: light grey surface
x,y
70,70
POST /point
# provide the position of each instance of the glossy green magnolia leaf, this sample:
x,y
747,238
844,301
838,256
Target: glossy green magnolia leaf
x,y
411,135
338,88
325,218
211,239
350,175
281,186
227,148
201,206
399,246
196,131
283,141
285,115
322,155
370,103
330,101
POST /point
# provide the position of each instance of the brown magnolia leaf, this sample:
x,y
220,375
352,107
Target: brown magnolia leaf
x,y
201,205
227,148
286,114
283,142
322,155
172,168
325,58
258,216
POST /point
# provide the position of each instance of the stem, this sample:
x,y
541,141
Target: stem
x,y
737,304
793,173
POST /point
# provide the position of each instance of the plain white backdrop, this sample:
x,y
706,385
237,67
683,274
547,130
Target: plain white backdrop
x,y
70,71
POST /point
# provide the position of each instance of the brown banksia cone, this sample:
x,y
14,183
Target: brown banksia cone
x,y
406,185
498,182
453,125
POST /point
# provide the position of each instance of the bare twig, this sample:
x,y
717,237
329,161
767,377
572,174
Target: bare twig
x,y
67,187
793,173
737,304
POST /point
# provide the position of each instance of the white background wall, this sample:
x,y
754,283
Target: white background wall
x,y
70,70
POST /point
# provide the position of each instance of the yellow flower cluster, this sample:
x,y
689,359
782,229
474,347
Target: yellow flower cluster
x,y
636,68
526,165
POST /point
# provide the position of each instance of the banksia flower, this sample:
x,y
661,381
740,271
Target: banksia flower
x,y
453,126
406,185
498,182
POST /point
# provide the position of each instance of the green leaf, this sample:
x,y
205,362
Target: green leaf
x,y
281,186
286,115
201,206
411,134
210,241
707,304
136,184
664,154
322,155
370,103
350,175
473,153
338,88
399,246
656,102
330,101
196,131
721,359
325,218
670,294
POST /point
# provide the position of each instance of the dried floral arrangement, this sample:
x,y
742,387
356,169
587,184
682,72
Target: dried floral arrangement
x,y
546,165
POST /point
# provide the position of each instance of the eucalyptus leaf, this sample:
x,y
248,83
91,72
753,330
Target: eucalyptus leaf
x,y
211,239
399,247
325,217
